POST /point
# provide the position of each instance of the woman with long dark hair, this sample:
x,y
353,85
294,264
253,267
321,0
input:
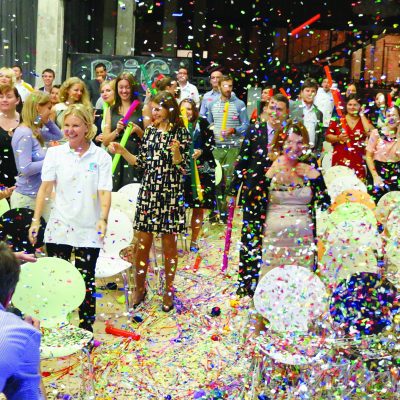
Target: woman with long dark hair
x,y
160,205
9,121
126,92
349,141
201,158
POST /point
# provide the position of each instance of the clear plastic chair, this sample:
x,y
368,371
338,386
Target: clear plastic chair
x,y
119,235
4,206
292,299
365,309
50,290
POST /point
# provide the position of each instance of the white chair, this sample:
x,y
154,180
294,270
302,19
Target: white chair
x,y
337,171
218,173
121,202
393,223
340,261
343,183
4,206
49,290
364,308
119,236
386,204
291,298
119,233
352,224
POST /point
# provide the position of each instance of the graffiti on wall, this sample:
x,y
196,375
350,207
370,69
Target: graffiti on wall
x,y
83,66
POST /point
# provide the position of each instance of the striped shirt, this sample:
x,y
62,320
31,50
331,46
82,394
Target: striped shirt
x,y
237,119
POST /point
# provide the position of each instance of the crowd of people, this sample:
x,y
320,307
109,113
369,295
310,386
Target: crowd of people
x,y
57,144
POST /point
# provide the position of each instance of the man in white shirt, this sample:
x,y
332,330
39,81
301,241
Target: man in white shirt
x,y
188,91
24,89
305,111
324,101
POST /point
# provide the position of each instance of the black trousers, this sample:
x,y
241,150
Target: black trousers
x,y
251,248
85,262
390,173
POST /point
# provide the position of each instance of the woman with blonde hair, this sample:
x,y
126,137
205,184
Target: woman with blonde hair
x,y
7,76
106,100
29,150
80,172
72,91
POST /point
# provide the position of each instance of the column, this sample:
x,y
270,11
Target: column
x,y
49,38
126,25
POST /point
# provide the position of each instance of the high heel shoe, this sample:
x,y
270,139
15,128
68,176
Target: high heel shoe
x,y
136,305
166,308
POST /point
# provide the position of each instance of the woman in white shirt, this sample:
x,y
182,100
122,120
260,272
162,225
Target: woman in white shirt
x,y
80,172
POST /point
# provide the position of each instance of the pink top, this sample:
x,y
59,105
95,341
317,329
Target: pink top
x,y
383,150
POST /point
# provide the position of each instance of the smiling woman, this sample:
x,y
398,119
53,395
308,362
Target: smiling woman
x,y
72,91
80,172
9,120
126,92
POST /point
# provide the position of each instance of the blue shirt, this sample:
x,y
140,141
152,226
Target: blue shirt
x,y
208,98
19,358
29,156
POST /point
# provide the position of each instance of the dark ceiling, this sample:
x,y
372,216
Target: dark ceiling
x,y
374,15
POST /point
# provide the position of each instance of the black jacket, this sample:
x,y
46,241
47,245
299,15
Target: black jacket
x,y
252,165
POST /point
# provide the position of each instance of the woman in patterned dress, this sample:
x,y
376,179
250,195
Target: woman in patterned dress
x,y
160,207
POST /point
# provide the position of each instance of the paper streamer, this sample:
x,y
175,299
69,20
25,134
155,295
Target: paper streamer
x,y
228,236
197,181
106,106
336,100
120,332
184,117
28,87
125,137
153,91
196,184
224,118
389,100
130,111
308,22
197,263
328,75
282,90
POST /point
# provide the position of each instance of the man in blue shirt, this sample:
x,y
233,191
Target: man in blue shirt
x,y
228,116
212,95
19,340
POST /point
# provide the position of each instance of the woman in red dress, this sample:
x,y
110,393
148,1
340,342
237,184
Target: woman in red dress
x,y
349,141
